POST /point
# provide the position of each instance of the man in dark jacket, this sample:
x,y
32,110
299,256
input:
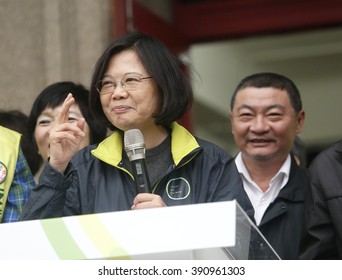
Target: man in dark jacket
x,y
266,115
323,207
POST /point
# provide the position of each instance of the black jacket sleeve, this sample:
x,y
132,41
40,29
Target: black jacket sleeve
x,y
47,199
323,205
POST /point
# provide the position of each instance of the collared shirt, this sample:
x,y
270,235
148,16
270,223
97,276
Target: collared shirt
x,y
19,191
259,199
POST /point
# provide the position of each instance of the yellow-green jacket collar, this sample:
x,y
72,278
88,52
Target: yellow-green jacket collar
x,y
182,143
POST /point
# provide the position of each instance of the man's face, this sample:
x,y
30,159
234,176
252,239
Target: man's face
x,y
264,124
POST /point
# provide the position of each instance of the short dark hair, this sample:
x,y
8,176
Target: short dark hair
x,y
54,95
267,79
160,63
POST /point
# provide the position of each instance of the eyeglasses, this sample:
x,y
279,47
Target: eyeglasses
x,y
128,83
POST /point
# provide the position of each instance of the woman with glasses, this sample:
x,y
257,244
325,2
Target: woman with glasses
x,y
137,84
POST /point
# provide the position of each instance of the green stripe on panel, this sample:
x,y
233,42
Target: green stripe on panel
x,y
61,240
102,238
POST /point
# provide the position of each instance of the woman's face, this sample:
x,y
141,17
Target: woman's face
x,y
47,119
130,108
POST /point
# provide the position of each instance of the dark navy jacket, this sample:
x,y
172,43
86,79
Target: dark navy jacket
x,y
282,222
96,182
323,214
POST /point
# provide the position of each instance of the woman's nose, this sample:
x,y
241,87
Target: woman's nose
x,y
119,92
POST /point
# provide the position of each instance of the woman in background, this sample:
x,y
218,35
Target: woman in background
x,y
47,106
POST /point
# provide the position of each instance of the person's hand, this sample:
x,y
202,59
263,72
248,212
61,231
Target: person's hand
x,y
65,137
147,200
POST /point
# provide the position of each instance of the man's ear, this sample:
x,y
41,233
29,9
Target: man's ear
x,y
300,121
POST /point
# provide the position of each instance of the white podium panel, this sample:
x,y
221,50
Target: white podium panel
x,y
199,231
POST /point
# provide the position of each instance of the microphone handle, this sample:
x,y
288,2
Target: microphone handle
x,y
142,181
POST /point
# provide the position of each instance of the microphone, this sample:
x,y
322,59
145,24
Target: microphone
x,y
135,149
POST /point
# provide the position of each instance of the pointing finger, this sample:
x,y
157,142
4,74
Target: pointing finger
x,y
63,116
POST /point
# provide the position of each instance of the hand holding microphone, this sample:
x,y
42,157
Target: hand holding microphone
x,y
135,149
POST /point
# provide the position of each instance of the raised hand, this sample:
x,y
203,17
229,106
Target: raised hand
x,y
65,137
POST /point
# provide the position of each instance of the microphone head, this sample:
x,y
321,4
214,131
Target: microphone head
x,y
134,144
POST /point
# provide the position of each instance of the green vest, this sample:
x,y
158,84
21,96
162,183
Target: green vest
x,y
9,150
